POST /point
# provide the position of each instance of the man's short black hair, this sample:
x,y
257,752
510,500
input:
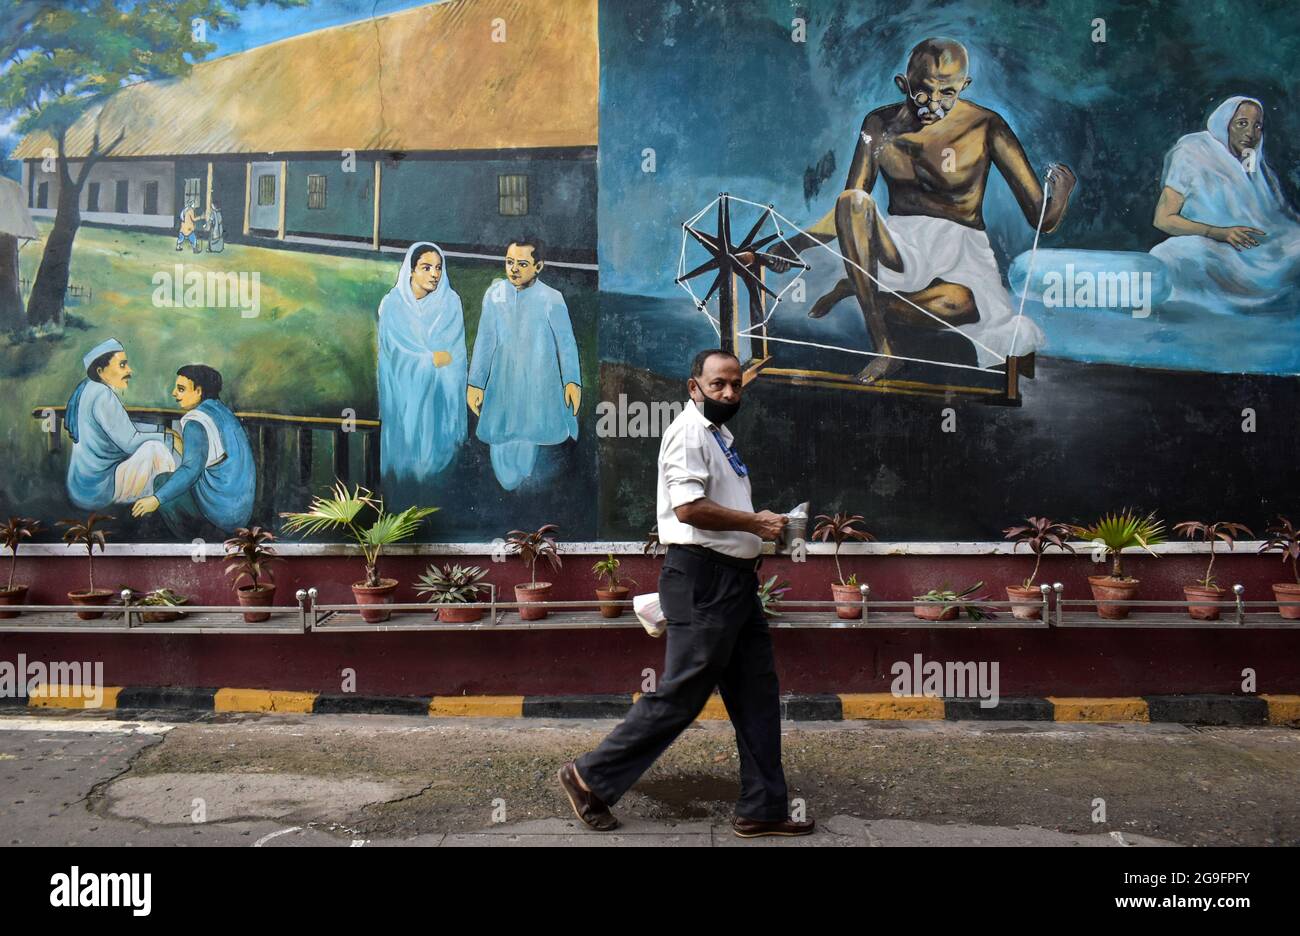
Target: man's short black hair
x,y
533,241
207,379
697,366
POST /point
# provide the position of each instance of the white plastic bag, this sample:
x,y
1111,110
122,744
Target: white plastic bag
x,y
650,614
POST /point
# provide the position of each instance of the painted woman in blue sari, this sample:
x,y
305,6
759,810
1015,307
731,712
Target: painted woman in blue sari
x,y
422,374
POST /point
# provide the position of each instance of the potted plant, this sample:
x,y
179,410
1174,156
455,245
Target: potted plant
x,y
86,534
341,510
250,552
614,589
159,598
770,594
1206,589
1285,538
1111,535
944,604
1038,534
12,535
837,529
530,547
451,585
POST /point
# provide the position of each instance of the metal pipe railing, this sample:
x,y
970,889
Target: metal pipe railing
x,y
1052,610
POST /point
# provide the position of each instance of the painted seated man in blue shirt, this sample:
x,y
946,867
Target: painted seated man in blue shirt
x,y
216,480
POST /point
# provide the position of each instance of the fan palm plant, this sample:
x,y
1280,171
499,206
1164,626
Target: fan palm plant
x,y
342,510
1116,532
1111,535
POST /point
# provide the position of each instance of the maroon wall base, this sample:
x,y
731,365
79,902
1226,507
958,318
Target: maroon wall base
x,y
1072,662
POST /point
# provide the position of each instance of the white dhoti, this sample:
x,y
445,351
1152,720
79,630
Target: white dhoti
x,y
936,248
133,478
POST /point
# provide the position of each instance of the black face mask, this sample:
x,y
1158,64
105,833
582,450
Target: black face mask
x,y
717,412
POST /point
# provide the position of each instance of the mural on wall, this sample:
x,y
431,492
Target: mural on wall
x,y
1051,270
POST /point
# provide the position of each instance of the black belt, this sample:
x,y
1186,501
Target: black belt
x,y
745,565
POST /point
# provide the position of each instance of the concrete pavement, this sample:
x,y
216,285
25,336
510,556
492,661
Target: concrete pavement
x,y
293,780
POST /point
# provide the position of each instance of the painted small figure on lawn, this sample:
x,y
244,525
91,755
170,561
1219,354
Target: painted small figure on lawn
x,y
525,383
189,225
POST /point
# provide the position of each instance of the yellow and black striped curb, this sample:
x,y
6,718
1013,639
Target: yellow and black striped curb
x,y
1196,709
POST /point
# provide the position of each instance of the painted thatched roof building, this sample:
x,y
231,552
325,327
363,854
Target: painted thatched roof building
x,y
465,121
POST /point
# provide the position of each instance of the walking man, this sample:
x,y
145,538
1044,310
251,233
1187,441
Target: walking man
x,y
717,633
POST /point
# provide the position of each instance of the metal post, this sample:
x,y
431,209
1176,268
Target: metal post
x,y
301,595
126,606
1238,591
1058,588
1046,590
311,600
864,589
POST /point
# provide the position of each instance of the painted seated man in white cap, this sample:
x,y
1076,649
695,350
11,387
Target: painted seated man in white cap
x,y
113,460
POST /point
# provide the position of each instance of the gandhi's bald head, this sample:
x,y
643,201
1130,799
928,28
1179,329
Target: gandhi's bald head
x,y
936,76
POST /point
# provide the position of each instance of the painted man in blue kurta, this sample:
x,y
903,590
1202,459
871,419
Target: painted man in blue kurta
x,y
113,461
216,480
525,384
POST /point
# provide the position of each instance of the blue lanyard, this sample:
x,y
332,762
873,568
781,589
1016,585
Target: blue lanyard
x,y
732,455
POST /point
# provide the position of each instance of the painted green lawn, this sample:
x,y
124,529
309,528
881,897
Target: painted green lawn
x,y
310,351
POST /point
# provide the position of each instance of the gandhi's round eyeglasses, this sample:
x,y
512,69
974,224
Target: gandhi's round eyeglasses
x,y
921,98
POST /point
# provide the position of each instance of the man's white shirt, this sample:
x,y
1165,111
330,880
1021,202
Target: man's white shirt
x,y
692,465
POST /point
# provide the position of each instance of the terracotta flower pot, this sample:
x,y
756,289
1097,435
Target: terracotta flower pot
x,y
1288,591
1026,602
851,597
380,594
612,594
451,615
1203,593
263,596
160,616
12,596
936,610
541,592
1106,589
100,596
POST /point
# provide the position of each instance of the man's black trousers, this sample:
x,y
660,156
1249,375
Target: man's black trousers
x,y
717,635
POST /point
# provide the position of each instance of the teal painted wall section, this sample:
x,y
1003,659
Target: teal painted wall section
x,y
349,208
456,202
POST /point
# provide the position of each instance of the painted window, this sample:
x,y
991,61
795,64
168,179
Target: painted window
x,y
512,194
315,191
121,196
92,196
151,198
43,195
266,189
193,189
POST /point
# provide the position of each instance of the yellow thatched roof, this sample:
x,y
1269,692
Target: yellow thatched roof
x,y
428,78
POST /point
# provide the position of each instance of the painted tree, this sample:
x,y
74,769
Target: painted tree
x,y
63,60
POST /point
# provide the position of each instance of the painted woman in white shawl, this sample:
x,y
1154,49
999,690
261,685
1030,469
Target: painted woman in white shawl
x,y
1236,242
422,374
113,461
